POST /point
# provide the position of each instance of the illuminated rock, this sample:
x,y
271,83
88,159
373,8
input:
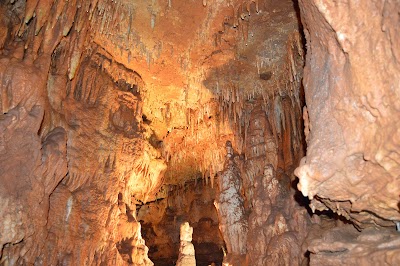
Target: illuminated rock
x,y
186,249
230,207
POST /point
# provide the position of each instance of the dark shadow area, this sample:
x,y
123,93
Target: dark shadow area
x,y
305,203
306,260
208,253
334,216
125,249
301,27
299,198
189,202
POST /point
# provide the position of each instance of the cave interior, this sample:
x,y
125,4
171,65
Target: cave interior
x,y
188,132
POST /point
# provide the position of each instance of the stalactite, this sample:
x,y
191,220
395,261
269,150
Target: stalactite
x,y
74,63
68,19
42,12
30,10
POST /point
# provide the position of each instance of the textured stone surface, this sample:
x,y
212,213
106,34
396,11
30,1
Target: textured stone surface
x,y
346,246
277,225
113,111
351,84
73,159
103,102
229,203
186,250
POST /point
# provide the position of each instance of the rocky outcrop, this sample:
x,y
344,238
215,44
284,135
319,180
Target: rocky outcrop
x,y
277,226
352,164
31,169
72,152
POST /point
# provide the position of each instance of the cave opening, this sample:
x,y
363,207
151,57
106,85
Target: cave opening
x,y
241,132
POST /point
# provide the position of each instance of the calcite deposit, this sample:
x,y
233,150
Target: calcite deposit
x,y
192,202
230,207
121,120
351,84
186,249
277,225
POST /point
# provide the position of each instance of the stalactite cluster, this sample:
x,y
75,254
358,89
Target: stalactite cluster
x,y
121,120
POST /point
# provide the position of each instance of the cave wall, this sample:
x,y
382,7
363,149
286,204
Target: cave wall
x,y
73,155
351,81
351,87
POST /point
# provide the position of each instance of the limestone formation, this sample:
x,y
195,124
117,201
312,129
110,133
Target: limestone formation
x,y
275,227
115,115
352,162
345,245
230,207
192,202
186,249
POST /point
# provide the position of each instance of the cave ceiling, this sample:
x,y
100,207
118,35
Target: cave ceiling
x,y
195,70
191,63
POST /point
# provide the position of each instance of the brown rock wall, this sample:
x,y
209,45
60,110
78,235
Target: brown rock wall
x,y
350,80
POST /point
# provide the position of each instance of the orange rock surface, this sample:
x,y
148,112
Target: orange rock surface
x,y
115,115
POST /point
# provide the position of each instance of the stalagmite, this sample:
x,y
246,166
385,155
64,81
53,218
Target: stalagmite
x,y
230,208
186,249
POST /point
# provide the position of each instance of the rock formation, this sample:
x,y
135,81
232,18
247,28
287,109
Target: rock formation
x,y
352,163
277,226
186,249
115,117
230,208
346,246
351,167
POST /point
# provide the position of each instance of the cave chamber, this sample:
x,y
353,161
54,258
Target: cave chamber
x,y
171,132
